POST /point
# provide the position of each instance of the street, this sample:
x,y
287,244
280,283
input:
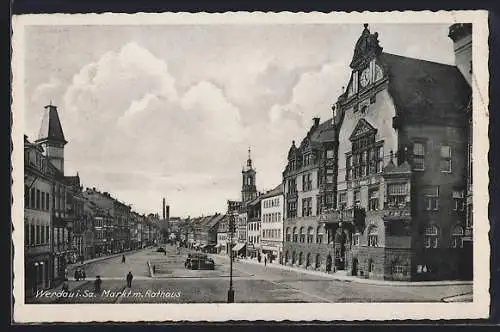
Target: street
x,y
173,283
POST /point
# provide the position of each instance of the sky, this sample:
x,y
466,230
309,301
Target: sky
x,y
170,111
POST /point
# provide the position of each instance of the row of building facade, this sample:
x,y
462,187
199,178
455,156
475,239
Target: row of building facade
x,y
381,190
65,223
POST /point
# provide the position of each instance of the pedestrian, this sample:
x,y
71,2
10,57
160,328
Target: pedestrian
x,y
97,285
123,259
154,269
77,275
265,260
129,279
83,275
65,287
81,259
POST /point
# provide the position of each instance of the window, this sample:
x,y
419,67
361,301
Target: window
x,y
26,233
42,206
458,200
307,207
396,194
445,164
357,197
457,237
42,234
32,198
431,198
47,234
32,234
329,176
279,216
306,182
319,235
342,200
295,234
373,236
348,166
431,236
47,201
37,232
373,199
302,235
418,157
37,199
356,239
310,235
26,196
330,154
292,209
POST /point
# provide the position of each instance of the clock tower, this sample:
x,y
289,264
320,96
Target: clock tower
x,y
248,188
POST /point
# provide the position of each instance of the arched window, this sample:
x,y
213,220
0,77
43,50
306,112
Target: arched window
x,y
356,239
302,235
288,235
319,235
457,237
293,257
310,235
431,236
373,236
295,234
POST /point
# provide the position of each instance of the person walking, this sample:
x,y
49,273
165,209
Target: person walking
x,y
265,260
97,285
129,279
123,259
65,286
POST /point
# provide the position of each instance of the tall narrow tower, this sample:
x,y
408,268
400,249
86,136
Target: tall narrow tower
x,y
163,204
51,137
248,189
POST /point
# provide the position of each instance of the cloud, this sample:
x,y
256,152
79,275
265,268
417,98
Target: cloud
x,y
46,91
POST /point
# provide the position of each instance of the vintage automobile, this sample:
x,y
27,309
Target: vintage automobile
x,y
160,249
199,262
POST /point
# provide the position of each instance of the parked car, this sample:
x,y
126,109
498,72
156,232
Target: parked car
x,y
199,262
160,249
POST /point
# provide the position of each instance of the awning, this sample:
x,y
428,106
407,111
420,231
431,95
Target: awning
x,y
218,245
238,247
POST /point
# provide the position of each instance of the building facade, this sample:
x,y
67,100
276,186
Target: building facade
x,y
272,213
309,185
253,227
401,178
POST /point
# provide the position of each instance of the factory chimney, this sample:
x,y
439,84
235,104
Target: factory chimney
x,y
164,208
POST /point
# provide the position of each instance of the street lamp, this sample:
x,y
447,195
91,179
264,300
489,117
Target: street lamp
x,y
230,292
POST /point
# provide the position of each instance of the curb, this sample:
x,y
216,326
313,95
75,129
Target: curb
x,y
458,298
365,281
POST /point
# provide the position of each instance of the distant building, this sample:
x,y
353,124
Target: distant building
x,y
253,227
271,229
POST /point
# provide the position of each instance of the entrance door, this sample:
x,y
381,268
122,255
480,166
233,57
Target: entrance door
x,y
355,267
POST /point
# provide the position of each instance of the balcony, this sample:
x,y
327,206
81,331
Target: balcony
x,y
397,211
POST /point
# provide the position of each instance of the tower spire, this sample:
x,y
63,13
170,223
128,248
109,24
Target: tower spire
x,y
249,161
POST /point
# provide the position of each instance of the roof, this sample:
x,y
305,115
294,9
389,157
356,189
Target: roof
x,y
216,219
424,90
273,192
51,128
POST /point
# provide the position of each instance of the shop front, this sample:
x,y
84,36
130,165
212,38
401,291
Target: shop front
x,y
37,274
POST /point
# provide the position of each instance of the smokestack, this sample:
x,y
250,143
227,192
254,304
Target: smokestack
x,y
164,208
167,212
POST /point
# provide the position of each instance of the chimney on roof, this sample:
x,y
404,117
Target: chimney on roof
x,y
316,121
163,205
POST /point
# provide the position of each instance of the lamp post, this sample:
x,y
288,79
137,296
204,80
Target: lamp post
x,y
230,292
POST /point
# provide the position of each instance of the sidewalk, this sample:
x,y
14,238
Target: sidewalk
x,y
341,277
102,258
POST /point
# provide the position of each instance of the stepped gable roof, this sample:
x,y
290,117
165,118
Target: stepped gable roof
x,y
425,90
51,129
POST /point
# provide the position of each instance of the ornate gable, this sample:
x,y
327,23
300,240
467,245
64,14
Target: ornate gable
x,y
367,47
361,129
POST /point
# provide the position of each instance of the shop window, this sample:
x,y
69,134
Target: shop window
x,y
431,236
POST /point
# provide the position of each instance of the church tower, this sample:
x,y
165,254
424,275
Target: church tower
x,y
51,137
248,189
